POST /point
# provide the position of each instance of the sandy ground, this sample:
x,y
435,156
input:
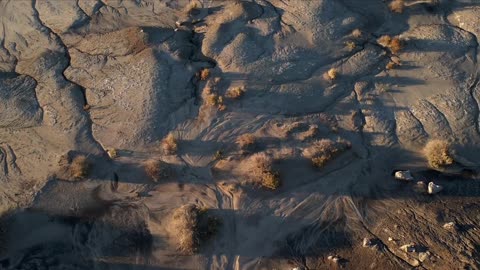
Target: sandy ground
x,y
83,77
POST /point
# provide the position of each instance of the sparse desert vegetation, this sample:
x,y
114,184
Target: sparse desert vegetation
x,y
191,7
193,227
214,100
438,153
391,65
218,155
350,45
397,6
331,74
263,172
357,33
204,74
246,141
156,169
164,167
394,44
169,144
324,150
80,167
235,92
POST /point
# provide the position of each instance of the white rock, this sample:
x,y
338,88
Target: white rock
x,y
434,188
403,175
422,256
367,242
334,259
449,225
391,239
408,248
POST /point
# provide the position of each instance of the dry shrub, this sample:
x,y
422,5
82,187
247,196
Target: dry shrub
x,y
438,153
169,144
204,74
213,100
185,224
350,45
235,92
80,167
156,169
192,7
397,6
246,141
263,173
384,40
322,151
394,44
331,74
193,227
357,33
218,155
391,65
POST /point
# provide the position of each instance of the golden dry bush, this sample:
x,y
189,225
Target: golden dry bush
x,y
263,173
169,144
185,225
235,92
357,33
397,6
438,153
192,7
204,74
391,65
331,74
192,227
396,45
246,141
350,45
384,40
80,167
214,100
324,150
211,100
156,169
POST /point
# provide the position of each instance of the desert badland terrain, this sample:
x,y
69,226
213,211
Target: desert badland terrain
x,y
280,134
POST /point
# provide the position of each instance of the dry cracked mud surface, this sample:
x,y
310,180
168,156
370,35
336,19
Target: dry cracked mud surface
x,y
308,82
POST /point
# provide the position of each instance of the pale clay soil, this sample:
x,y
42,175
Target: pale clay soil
x,y
80,77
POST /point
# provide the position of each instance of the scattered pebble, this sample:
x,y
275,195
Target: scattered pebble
x,y
449,225
366,242
371,242
434,188
403,175
334,259
420,187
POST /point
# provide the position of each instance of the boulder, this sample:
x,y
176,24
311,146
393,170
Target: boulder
x,y
434,188
404,175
